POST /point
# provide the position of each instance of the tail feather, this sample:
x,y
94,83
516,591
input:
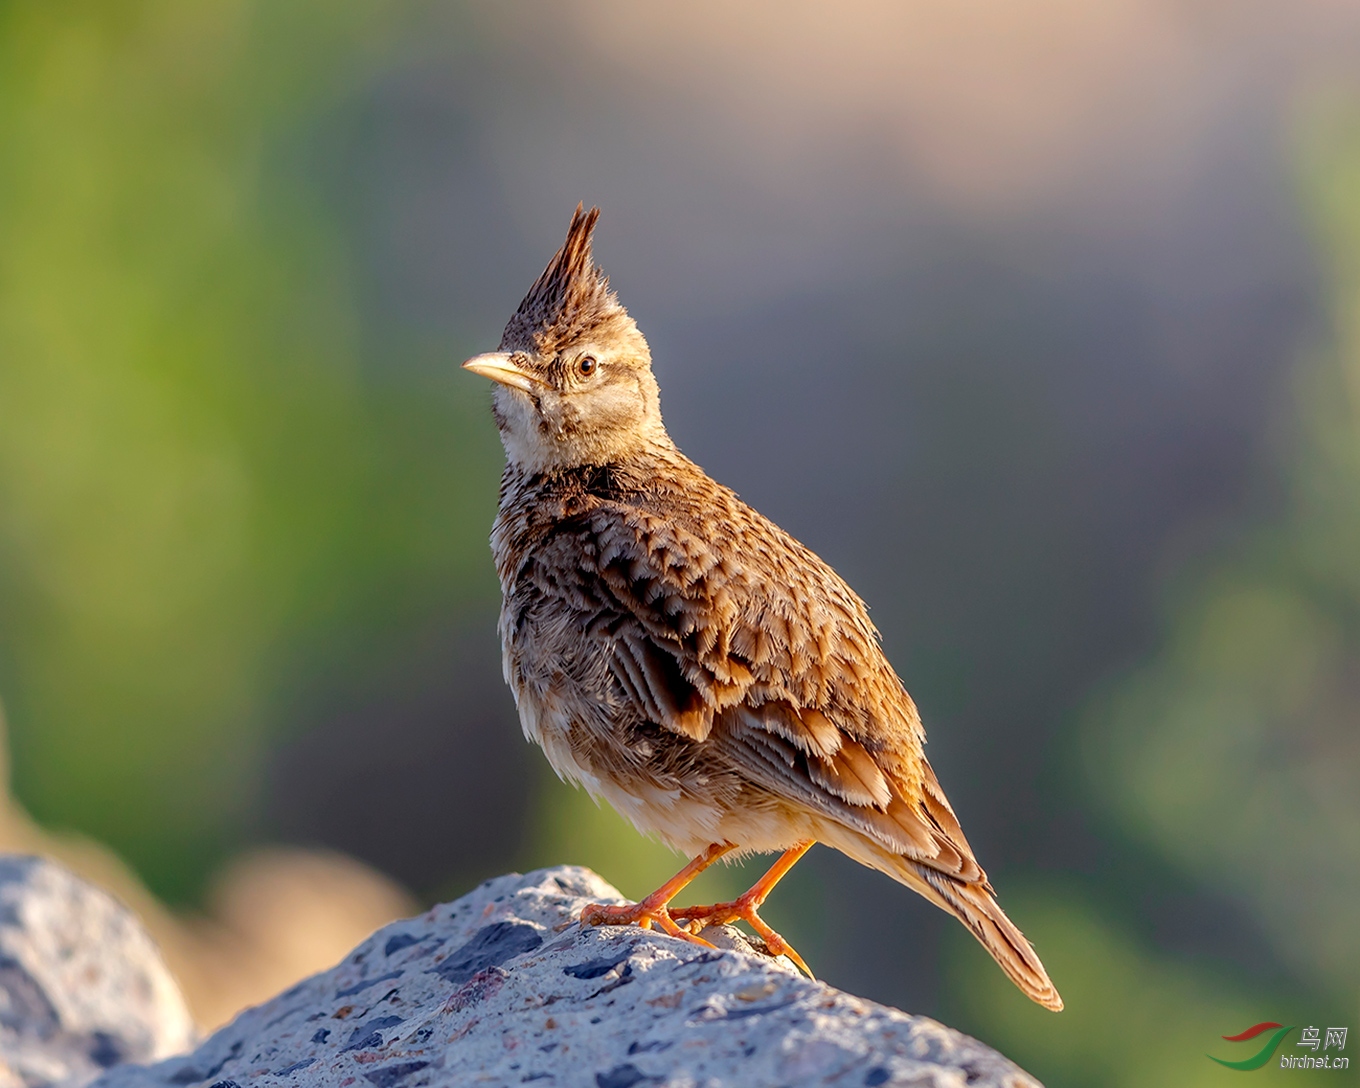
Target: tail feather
x,y
964,891
970,900
974,906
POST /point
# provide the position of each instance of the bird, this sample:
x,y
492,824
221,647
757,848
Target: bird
x,y
682,657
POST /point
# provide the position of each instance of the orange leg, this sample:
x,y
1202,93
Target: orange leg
x,y
653,908
747,904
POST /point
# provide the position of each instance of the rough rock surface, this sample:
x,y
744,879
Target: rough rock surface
x,y
82,986
503,987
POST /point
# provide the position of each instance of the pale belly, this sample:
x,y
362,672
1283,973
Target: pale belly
x,y
686,812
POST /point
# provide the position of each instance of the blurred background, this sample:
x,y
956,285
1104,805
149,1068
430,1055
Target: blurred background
x,y
1040,322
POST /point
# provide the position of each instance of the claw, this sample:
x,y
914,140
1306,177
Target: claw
x,y
780,947
642,914
741,909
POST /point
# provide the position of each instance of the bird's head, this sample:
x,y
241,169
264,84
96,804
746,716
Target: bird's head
x,y
573,373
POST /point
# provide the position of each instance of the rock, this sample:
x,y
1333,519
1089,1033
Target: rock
x,y
273,914
82,986
504,987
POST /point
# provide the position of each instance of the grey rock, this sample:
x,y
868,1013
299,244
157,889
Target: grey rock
x,y
82,986
504,987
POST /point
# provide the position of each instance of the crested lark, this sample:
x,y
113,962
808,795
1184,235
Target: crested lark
x,y
686,659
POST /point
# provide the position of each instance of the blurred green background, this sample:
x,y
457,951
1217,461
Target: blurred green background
x,y
1044,330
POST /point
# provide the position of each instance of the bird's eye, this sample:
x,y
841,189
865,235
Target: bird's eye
x,y
585,365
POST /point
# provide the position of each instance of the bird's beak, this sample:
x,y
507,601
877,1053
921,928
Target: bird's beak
x,y
497,366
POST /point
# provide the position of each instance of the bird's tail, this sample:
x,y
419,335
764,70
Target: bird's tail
x,y
976,907
968,897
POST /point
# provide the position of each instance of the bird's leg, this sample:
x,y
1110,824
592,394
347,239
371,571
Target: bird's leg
x,y
746,905
653,908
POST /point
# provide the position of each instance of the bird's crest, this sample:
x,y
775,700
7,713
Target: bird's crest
x,y
570,299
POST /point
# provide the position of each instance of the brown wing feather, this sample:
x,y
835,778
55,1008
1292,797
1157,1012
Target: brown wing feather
x,y
849,786
652,678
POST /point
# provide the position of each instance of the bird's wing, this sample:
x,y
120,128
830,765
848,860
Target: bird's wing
x,y
722,609
796,754
802,754
652,679
745,639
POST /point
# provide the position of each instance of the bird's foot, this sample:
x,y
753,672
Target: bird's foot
x,y
643,913
743,908
654,909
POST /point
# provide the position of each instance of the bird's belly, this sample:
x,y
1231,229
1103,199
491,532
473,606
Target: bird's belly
x,y
687,810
